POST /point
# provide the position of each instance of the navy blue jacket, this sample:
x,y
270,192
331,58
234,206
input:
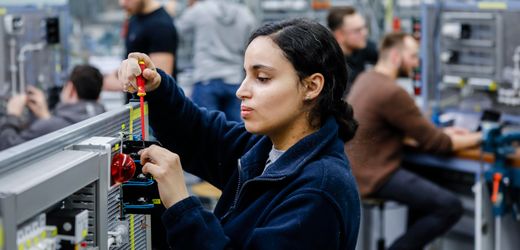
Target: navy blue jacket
x,y
307,199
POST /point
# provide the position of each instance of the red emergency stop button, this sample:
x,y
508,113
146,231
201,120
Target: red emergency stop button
x,y
122,169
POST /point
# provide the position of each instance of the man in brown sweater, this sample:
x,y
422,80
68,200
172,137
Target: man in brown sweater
x,y
387,115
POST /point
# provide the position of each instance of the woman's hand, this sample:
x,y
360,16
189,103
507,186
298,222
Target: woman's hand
x,y
129,70
166,169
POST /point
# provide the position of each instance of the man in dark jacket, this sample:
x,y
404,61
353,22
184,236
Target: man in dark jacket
x,y
350,30
78,101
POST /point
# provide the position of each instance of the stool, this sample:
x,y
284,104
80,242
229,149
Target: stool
x,y
380,204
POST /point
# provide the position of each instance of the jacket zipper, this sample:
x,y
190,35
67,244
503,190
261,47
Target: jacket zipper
x,y
236,194
239,186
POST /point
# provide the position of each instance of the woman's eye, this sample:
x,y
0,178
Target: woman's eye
x,y
263,79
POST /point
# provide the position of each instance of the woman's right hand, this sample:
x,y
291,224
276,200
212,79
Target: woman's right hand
x,y
129,70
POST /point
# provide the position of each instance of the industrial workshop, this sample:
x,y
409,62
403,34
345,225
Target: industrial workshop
x,y
259,124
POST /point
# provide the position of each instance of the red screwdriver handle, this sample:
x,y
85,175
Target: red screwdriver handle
x,y
140,80
497,177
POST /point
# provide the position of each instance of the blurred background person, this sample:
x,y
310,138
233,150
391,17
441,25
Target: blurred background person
x,y
220,29
147,18
350,30
78,101
387,114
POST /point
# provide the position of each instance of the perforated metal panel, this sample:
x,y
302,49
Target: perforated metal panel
x,y
136,223
85,199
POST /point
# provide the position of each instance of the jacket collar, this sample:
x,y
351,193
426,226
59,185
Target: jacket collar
x,y
253,162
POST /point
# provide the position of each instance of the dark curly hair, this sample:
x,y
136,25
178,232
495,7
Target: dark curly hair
x,y
311,48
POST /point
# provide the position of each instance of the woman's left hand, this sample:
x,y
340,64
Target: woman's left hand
x,y
166,169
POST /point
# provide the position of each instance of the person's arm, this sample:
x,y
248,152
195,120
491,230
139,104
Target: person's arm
x,y
10,127
12,132
400,111
163,42
164,61
111,83
207,143
461,138
307,219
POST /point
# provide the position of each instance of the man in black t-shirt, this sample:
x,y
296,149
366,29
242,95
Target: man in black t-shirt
x,y
148,30
350,30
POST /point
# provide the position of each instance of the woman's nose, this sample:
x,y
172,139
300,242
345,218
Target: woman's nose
x,y
243,91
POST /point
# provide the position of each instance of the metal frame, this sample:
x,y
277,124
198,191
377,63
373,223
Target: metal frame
x,y
42,172
29,191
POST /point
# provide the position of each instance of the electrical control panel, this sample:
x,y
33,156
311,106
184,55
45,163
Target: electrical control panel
x,y
472,48
140,194
36,234
56,192
33,49
468,58
119,221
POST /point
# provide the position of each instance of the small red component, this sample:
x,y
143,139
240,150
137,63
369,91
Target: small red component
x,y
396,24
497,177
122,169
83,244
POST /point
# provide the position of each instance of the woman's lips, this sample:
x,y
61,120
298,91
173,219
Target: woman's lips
x,y
245,111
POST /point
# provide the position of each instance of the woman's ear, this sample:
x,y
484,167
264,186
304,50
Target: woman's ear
x,y
313,86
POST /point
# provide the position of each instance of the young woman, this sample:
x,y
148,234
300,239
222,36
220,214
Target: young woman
x,y
285,181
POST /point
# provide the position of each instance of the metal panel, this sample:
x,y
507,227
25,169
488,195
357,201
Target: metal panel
x,y
482,58
137,223
97,212
42,184
106,124
86,199
7,208
35,61
39,173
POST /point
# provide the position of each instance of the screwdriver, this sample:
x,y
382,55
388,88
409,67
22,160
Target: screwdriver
x,y
141,93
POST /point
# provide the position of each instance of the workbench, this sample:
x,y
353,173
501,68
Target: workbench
x,y
472,163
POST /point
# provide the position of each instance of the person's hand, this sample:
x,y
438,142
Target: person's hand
x,y
409,141
37,103
129,70
166,169
463,141
16,104
456,131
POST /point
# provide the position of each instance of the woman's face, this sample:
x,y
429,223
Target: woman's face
x,y
272,99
